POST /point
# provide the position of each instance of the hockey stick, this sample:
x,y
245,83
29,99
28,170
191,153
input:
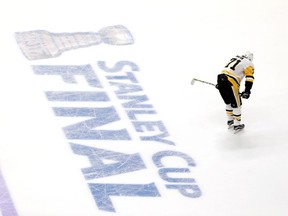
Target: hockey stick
x,y
194,79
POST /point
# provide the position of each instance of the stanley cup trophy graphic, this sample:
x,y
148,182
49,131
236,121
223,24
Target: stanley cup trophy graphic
x,y
41,44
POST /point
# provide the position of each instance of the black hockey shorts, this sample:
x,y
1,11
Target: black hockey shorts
x,y
229,90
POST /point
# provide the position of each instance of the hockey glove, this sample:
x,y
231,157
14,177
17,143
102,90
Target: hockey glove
x,y
245,94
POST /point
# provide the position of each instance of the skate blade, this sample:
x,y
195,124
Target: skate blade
x,y
237,131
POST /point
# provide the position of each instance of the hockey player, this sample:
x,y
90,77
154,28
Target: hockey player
x,y
228,84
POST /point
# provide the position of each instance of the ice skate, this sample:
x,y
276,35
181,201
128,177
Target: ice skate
x,y
230,124
238,128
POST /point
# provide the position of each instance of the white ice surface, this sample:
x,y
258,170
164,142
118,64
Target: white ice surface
x,y
243,174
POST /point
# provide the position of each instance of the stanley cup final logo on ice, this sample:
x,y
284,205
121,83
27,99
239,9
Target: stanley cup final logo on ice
x,y
109,120
41,44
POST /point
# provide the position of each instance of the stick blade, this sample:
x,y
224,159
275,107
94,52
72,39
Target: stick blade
x,y
193,81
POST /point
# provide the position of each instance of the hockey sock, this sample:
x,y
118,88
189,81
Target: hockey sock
x,y
229,112
237,115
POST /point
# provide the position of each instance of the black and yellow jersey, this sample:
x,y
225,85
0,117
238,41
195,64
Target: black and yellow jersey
x,y
238,68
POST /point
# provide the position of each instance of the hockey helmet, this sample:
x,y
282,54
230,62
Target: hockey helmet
x,y
248,55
